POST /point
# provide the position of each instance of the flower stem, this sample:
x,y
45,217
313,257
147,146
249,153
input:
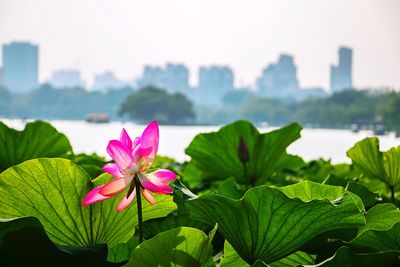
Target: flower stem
x,y
139,210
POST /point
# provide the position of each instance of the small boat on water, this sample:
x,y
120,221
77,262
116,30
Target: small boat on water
x,y
97,118
379,129
355,128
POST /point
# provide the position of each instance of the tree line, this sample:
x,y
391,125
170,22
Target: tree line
x,y
339,110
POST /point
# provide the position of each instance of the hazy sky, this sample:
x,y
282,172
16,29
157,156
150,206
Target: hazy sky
x,y
123,35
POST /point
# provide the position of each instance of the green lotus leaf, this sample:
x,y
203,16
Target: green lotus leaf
x,y
308,191
391,164
346,257
369,198
92,163
52,190
25,243
38,140
231,258
230,188
123,251
239,150
376,164
268,224
366,155
299,258
182,246
382,230
173,220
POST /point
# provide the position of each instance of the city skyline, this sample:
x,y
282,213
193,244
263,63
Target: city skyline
x,y
99,36
20,67
277,79
89,84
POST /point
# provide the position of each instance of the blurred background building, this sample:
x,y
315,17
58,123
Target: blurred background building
x,y
68,78
20,66
341,74
214,83
106,81
172,77
279,79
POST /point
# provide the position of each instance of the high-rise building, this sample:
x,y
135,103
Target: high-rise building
x,y
106,81
279,79
1,77
173,78
176,78
20,66
151,76
216,77
341,74
66,79
214,83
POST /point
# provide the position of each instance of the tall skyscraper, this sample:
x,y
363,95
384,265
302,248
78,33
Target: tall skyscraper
x,y
214,83
173,78
152,75
216,77
66,79
176,78
20,66
341,74
1,77
106,81
279,79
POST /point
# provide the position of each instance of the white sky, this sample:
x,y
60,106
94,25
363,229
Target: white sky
x,y
123,35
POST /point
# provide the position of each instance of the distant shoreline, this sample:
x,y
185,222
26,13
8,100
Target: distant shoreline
x,y
258,125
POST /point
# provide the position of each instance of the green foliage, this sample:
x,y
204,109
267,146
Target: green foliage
x,y
268,224
23,242
178,247
236,98
382,230
341,109
389,110
173,220
122,251
217,155
274,111
376,164
52,191
151,103
345,107
369,198
231,257
178,218
38,140
346,257
296,259
318,217
92,164
66,103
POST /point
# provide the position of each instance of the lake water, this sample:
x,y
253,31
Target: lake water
x,y
314,143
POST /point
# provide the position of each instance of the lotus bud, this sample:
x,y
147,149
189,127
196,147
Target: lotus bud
x,y
243,151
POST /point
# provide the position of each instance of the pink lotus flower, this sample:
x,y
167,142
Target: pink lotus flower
x,y
132,160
